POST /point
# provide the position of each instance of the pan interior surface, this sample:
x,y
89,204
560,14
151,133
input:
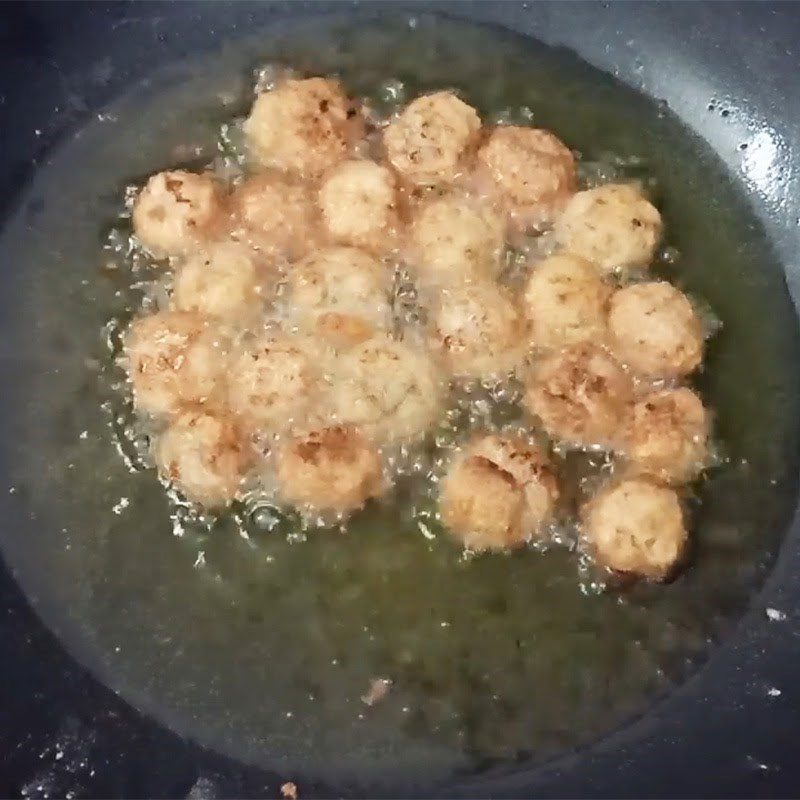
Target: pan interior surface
x,y
264,648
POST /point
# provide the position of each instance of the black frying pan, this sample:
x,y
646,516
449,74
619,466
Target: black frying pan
x,y
729,72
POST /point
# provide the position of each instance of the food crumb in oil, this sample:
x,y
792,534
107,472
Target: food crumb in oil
x,y
289,791
378,689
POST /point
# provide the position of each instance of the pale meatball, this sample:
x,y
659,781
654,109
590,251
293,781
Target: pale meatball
x,y
176,211
655,330
274,215
271,381
428,141
204,455
222,282
341,293
498,493
614,225
667,435
581,395
636,527
477,331
333,469
455,240
533,173
358,200
302,126
565,302
388,389
174,358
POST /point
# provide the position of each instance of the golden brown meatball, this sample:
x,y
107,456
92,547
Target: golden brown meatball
x,y
477,331
581,395
613,225
272,380
176,212
359,205
498,493
333,469
482,506
533,173
175,358
565,302
457,240
302,126
654,330
222,282
428,141
667,435
341,293
274,215
204,455
636,526
388,389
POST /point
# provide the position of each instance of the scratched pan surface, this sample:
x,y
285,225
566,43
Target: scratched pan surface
x,y
498,665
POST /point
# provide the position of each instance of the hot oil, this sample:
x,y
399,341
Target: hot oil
x,y
259,636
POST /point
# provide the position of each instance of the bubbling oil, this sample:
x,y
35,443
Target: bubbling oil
x,y
486,406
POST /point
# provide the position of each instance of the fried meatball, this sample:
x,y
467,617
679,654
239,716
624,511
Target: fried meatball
x,y
388,389
565,302
359,205
614,225
222,282
271,381
333,469
302,126
478,331
204,455
654,330
498,493
341,293
174,358
532,171
636,526
581,395
455,240
667,435
176,212
274,215
428,141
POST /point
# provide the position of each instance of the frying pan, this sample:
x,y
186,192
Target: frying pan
x,y
728,71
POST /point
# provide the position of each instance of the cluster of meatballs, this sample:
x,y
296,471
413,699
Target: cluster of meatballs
x,y
280,357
